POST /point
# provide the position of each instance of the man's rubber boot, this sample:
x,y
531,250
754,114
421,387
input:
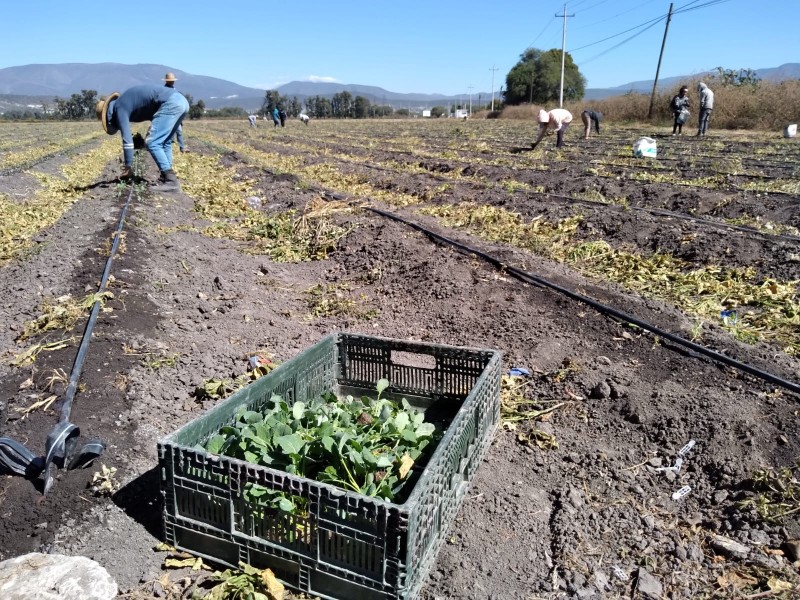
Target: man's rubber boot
x,y
169,182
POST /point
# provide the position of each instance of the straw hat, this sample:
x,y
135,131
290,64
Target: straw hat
x,y
101,110
170,77
543,116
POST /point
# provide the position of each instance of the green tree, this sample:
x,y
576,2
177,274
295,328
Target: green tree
x,y
438,111
272,98
732,77
536,78
342,105
361,107
196,111
294,107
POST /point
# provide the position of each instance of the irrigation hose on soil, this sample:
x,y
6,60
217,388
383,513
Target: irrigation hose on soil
x,y
63,439
600,307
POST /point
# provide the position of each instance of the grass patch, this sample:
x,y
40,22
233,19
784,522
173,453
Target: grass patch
x,y
62,314
220,195
337,301
21,221
760,309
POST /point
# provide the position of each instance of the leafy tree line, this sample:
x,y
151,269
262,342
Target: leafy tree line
x,y
81,106
340,106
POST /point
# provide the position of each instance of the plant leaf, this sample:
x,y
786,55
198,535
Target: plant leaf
x,y
298,410
425,430
290,444
406,462
216,443
286,505
382,385
401,420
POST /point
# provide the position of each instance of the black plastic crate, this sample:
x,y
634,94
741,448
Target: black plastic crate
x,y
348,546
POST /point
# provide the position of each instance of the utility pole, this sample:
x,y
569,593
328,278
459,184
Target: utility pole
x,y
469,87
563,54
658,68
493,69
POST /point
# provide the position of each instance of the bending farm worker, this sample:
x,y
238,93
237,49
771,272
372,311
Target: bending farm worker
x,y
706,106
557,121
165,107
588,117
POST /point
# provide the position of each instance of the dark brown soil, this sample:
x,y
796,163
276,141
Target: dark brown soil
x,y
592,518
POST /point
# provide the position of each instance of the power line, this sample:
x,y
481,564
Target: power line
x,y
656,20
592,6
624,12
685,8
625,41
540,35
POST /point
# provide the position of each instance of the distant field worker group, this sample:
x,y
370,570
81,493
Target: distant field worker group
x,y
557,120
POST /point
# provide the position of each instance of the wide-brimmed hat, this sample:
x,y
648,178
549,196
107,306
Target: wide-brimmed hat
x,y
170,77
101,109
543,116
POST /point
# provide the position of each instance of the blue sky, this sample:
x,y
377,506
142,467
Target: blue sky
x,y
410,46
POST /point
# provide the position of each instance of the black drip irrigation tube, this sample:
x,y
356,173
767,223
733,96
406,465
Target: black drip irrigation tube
x,y
61,443
600,307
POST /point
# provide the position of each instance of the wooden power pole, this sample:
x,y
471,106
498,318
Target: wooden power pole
x,y
658,68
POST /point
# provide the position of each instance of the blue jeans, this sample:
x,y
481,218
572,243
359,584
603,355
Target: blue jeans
x,y
164,128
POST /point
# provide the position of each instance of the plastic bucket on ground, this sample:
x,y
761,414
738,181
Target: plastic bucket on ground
x,y
790,131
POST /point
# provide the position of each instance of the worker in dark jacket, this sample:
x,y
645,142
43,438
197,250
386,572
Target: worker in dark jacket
x,y
164,106
680,110
588,117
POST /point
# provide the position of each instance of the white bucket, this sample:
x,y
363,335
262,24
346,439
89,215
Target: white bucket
x,y
645,147
790,131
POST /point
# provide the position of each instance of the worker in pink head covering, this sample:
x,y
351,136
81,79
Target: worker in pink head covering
x,y
557,121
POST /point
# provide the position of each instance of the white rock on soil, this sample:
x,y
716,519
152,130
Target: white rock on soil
x,y
728,547
38,576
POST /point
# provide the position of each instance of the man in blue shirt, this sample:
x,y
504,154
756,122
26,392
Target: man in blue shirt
x,y
165,107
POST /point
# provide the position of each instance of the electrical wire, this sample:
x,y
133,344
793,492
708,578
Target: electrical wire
x,y
652,22
625,41
682,9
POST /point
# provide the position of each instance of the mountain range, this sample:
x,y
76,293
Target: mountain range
x,y
28,86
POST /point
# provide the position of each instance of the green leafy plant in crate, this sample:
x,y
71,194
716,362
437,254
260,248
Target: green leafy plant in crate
x,y
366,445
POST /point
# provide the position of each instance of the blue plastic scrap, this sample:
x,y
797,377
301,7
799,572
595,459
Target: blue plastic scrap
x,y
519,372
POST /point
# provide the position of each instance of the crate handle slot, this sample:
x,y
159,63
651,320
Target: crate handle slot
x,y
413,359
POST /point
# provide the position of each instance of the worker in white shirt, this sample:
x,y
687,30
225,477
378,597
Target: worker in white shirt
x,y
556,121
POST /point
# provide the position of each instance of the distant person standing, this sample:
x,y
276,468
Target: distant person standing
x,y
169,81
706,106
588,117
276,116
179,139
282,115
252,119
555,121
680,110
